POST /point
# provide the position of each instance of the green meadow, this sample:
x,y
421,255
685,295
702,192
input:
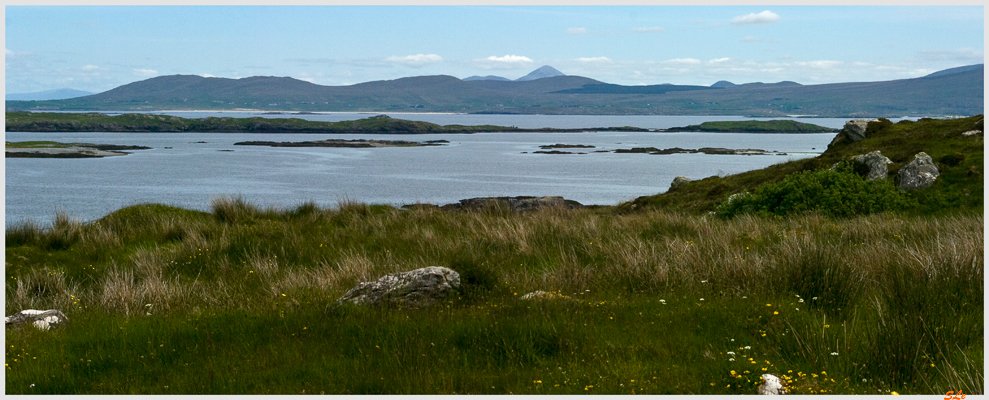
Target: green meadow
x,y
668,294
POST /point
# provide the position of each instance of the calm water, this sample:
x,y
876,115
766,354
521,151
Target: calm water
x,y
189,174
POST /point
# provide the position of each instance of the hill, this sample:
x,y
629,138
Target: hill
x,y
958,92
959,158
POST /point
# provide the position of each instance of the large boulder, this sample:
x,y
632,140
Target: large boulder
x,y
855,129
412,289
41,319
877,164
918,173
520,203
680,180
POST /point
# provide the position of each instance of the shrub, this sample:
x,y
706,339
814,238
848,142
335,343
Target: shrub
x,y
838,192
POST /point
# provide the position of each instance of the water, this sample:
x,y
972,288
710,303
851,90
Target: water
x,y
190,174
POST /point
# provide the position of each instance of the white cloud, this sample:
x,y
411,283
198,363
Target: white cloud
x,y
820,64
507,61
416,60
718,60
576,31
512,59
593,59
7,52
90,67
650,29
683,61
207,75
764,17
145,72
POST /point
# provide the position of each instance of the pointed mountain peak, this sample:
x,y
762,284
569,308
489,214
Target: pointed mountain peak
x,y
543,72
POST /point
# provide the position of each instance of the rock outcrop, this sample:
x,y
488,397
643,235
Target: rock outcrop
x,y
521,203
918,173
412,289
877,164
972,133
771,385
855,129
680,180
41,319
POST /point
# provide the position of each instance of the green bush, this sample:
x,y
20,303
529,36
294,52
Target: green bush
x,y
838,192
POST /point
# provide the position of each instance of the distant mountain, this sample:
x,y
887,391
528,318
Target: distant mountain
x,y
607,88
485,78
56,94
951,92
545,71
722,85
777,84
542,72
949,71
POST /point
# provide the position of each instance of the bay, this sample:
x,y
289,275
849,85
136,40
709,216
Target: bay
x,y
189,169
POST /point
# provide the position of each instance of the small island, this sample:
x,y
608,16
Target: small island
x,y
49,149
355,143
773,126
702,150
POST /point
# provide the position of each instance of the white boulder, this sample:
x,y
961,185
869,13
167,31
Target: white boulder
x,y
41,319
771,385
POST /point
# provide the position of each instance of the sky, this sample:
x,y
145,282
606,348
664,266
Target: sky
x,y
97,48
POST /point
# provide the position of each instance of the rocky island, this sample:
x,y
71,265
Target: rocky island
x,y
355,143
49,149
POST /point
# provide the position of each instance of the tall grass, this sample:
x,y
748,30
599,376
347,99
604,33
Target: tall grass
x,y
879,302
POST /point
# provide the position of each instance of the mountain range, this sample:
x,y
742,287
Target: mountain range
x,y
956,91
57,94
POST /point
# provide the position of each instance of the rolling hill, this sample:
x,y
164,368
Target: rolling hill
x,y
957,91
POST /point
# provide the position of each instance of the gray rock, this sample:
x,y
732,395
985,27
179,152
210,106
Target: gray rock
x,y
855,129
540,295
42,320
918,173
680,180
972,133
520,203
413,289
877,164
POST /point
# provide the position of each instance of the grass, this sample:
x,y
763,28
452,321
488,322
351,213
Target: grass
x,y
168,300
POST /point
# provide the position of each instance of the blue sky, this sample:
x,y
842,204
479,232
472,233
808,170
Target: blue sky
x,y
97,48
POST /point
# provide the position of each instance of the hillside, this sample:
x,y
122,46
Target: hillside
x,y
960,160
951,92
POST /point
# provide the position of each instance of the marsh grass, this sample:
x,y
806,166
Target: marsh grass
x,y
234,301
